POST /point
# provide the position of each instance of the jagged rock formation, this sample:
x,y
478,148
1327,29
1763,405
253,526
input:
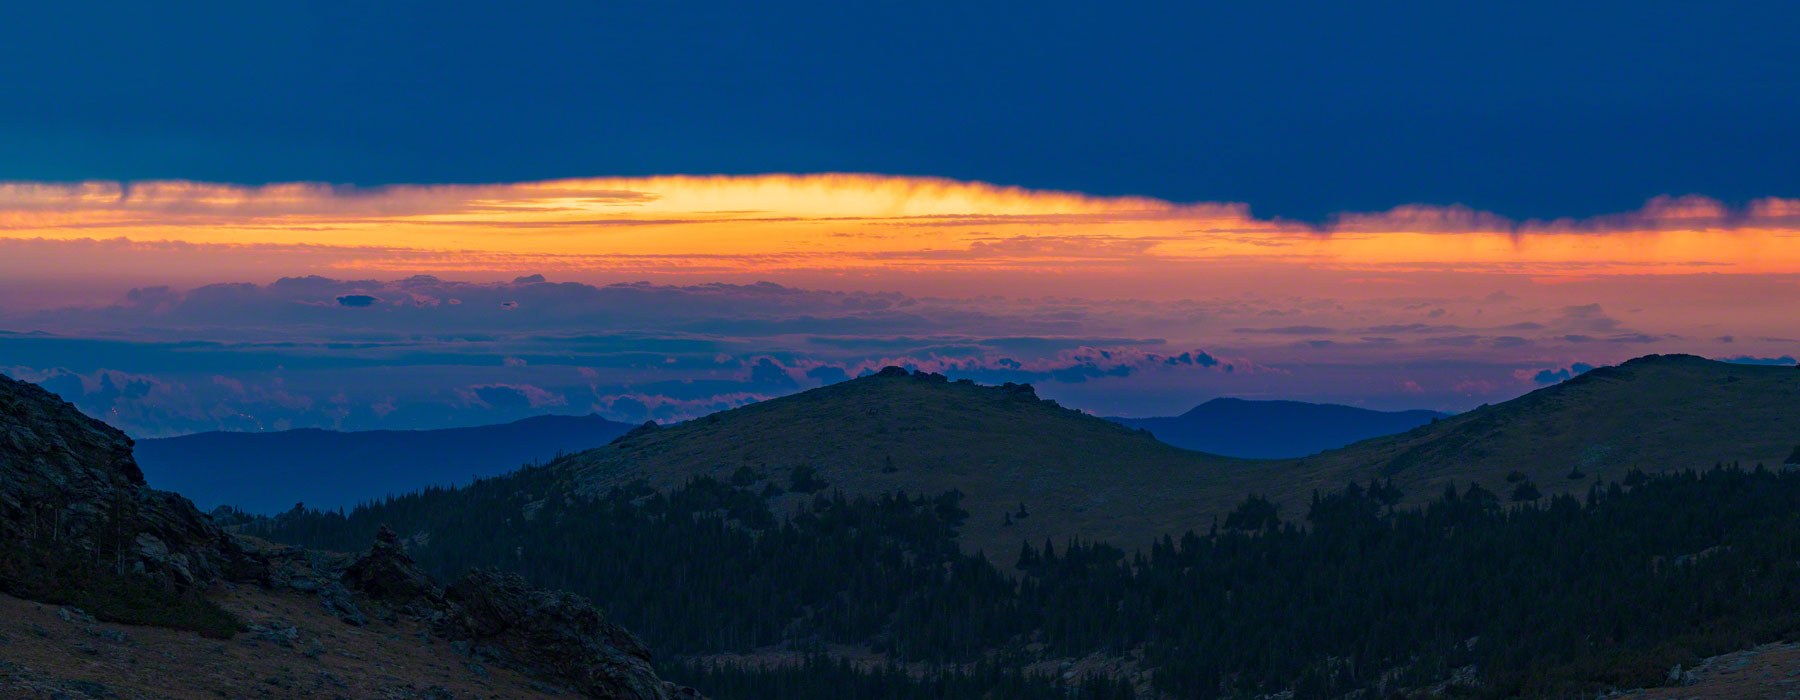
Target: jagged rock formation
x,y
69,488
553,634
387,574
498,618
69,482
648,427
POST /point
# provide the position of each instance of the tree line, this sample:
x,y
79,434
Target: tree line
x,y
1545,597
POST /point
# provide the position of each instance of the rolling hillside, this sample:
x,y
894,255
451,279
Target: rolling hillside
x,y
270,472
1081,475
1654,413
1000,446
1275,429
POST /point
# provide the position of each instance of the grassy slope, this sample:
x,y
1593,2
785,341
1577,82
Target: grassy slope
x,y
1654,413
1075,473
1081,475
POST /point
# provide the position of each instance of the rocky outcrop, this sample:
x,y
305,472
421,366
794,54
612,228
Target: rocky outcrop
x,y
387,574
498,618
552,634
649,427
69,485
70,490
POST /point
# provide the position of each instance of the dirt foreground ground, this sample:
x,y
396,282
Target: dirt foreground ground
x,y
294,649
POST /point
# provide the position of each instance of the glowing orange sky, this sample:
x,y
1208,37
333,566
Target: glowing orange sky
x,y
915,234
1419,305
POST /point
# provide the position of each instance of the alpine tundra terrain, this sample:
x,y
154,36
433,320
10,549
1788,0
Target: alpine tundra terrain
x,y
902,532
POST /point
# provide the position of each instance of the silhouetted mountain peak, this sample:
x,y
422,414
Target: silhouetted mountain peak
x,y
898,430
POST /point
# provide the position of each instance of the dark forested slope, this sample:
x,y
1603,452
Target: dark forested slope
x,y
1482,550
1549,597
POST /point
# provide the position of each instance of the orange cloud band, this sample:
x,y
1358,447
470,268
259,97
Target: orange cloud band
x,y
849,224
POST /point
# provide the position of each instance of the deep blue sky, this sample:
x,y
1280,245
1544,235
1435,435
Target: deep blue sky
x,y
1526,108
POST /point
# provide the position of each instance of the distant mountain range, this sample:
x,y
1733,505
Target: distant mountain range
x,y
1075,474
1275,429
270,472
847,514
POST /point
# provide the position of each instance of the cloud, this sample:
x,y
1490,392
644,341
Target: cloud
x,y
827,374
510,396
165,359
1588,317
638,407
1287,330
356,300
766,371
1411,328
907,232
1559,374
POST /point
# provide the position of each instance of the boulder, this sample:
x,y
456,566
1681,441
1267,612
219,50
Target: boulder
x,y
387,574
647,428
550,634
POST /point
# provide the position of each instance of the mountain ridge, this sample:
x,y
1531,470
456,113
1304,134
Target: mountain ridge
x,y
331,469
1275,429
1003,446
1653,413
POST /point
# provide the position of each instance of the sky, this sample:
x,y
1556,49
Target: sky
x,y
255,216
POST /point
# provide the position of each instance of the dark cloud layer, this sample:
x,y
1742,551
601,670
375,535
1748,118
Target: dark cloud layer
x,y
1613,102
